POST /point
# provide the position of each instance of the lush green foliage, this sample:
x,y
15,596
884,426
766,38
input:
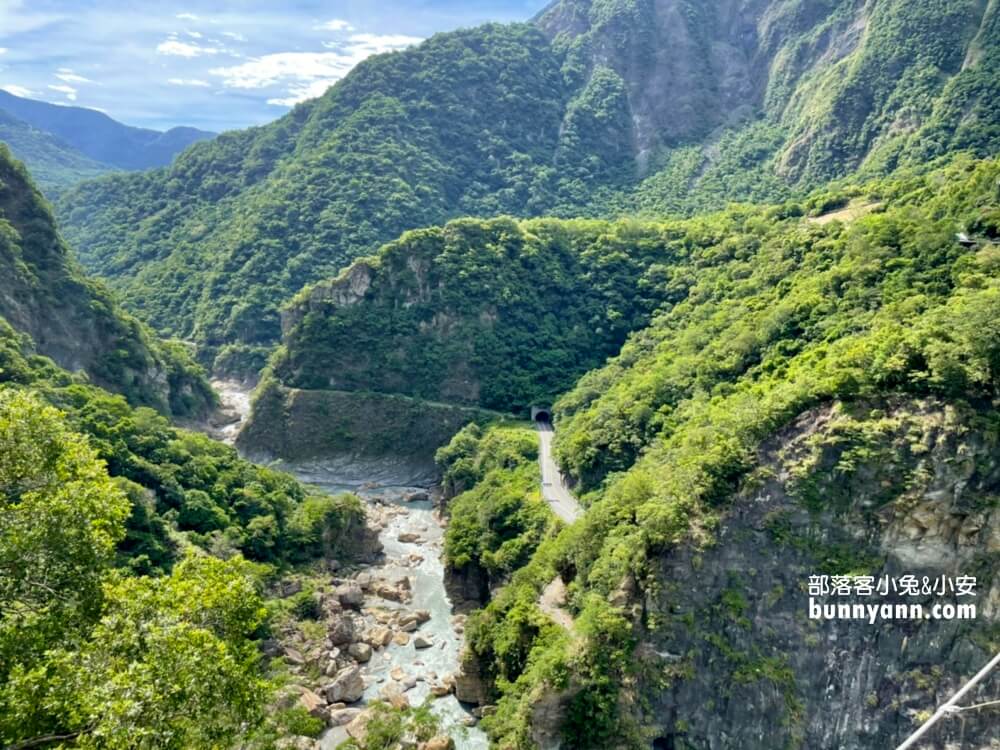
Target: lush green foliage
x,y
73,319
776,314
600,108
464,124
87,655
502,314
182,480
497,523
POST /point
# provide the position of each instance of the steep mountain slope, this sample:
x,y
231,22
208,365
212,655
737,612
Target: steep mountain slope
x,y
98,137
131,613
493,313
54,164
74,320
599,107
405,347
821,401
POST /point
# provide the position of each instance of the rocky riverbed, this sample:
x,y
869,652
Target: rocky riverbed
x,y
384,630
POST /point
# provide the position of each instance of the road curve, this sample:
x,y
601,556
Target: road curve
x,y
554,489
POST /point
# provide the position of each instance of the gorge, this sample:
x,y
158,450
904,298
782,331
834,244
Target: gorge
x,y
554,366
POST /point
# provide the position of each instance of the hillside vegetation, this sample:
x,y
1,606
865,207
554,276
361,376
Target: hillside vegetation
x,y
495,313
598,108
75,320
55,165
888,319
132,614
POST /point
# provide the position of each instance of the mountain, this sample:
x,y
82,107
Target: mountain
x,y
819,399
597,108
453,324
74,320
128,545
55,165
100,138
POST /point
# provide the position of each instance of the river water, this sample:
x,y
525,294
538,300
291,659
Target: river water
x,y
421,561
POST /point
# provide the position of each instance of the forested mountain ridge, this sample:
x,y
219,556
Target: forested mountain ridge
x,y
73,319
133,554
55,165
611,107
820,398
101,138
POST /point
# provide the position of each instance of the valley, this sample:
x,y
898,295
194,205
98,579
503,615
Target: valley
x,y
404,511
519,388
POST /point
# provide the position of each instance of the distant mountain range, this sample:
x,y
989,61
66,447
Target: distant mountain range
x,y
598,109
64,145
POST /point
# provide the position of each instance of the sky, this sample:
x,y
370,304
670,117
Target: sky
x,y
211,64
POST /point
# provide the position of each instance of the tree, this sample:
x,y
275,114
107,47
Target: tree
x,y
88,654
60,519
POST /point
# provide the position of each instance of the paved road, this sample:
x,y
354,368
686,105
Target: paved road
x,y
554,489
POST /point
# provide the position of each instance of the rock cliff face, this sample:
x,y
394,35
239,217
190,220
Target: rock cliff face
x,y
729,654
840,77
301,425
74,320
600,107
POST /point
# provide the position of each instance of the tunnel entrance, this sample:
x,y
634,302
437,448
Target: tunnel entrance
x,y
664,743
541,414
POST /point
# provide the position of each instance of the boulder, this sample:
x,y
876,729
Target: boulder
x,y
393,694
378,637
348,686
358,727
313,703
290,588
409,622
422,641
409,537
351,595
296,743
343,716
360,652
401,639
341,631
438,743
398,591
439,691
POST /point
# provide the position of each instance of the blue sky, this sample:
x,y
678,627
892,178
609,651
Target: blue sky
x,y
214,64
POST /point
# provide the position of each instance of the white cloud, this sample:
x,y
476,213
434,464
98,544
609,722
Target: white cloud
x,y
193,34
300,92
268,70
335,24
187,16
233,35
69,91
15,20
13,88
374,44
67,75
183,49
188,82
308,74
3,50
